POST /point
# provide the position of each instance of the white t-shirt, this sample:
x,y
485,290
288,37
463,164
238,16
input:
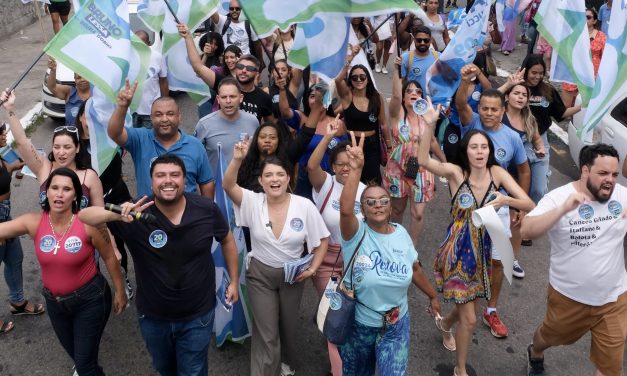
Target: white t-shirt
x,y
303,224
587,250
331,213
156,69
236,34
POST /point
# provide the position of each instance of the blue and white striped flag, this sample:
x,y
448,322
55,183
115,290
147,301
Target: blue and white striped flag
x,y
235,325
321,44
443,76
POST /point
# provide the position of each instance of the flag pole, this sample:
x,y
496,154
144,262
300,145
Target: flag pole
x,y
375,30
172,11
398,42
17,82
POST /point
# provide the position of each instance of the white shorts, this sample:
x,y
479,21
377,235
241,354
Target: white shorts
x,y
503,214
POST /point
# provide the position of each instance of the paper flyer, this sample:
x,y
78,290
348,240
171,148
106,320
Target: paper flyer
x,y
487,217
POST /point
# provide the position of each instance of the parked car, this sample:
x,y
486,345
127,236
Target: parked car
x,y
55,107
611,129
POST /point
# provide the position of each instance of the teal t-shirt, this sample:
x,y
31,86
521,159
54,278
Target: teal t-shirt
x,y
382,272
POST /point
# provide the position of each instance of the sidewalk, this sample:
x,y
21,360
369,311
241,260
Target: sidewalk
x,y
17,52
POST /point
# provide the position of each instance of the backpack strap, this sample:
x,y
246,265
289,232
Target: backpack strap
x,y
251,44
227,23
410,61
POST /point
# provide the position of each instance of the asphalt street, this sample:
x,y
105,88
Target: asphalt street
x,y
32,348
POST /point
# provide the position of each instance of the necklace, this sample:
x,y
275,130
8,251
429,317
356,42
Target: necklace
x,y
57,244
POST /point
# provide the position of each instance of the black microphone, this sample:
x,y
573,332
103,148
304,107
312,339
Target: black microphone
x,y
269,224
142,217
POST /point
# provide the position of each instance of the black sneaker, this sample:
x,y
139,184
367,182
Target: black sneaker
x,y
535,366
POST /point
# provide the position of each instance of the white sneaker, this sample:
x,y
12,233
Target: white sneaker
x,y
518,271
377,68
286,370
384,70
74,369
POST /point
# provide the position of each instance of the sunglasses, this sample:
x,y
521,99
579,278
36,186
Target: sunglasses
x,y
423,40
359,77
374,201
68,128
589,17
235,9
249,68
413,91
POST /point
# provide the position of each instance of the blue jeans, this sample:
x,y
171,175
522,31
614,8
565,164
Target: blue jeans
x,y
178,348
78,319
12,255
368,348
540,170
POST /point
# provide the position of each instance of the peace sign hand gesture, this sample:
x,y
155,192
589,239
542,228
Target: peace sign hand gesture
x,y
125,96
355,151
516,78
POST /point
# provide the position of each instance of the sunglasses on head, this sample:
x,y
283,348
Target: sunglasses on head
x,y
68,128
422,40
359,77
235,9
377,201
250,68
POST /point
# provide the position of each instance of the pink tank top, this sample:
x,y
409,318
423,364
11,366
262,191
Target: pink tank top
x,y
68,263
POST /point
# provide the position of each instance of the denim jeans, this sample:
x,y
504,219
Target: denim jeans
x,y
11,255
78,319
178,348
540,170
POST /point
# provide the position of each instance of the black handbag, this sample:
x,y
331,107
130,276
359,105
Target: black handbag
x,y
338,323
411,167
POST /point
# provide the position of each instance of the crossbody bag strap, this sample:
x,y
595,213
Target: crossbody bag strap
x,y
326,199
352,260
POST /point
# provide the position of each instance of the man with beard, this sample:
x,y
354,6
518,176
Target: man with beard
x,y
145,145
237,32
586,221
174,267
415,63
227,126
255,100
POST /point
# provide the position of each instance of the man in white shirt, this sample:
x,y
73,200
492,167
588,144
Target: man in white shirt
x,y
586,221
155,86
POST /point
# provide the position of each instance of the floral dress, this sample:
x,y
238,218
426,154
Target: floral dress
x,y
462,265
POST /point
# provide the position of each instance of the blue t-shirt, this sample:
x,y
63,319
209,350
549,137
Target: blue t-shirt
x,y
508,147
383,271
604,18
418,69
145,148
325,163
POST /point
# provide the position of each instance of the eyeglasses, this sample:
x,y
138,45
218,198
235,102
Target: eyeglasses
x,y
249,68
341,165
235,9
423,40
413,91
359,77
67,128
589,17
380,201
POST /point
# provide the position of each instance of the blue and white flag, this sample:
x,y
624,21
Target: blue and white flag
x,y
455,18
235,325
443,77
563,24
98,110
611,82
321,44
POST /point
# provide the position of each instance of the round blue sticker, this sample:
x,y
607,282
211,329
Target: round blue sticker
x,y
335,301
476,95
404,129
47,243
615,208
465,200
358,276
394,188
73,244
42,197
296,224
586,211
544,102
500,154
84,202
275,98
158,238
416,70
453,138
372,118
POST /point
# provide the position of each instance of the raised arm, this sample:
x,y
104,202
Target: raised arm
x,y
535,226
404,37
448,170
394,107
295,80
205,73
316,174
512,80
229,182
284,106
58,90
341,86
461,101
115,128
25,147
349,224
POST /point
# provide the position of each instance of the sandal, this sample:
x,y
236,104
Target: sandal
x,y
6,327
25,309
450,345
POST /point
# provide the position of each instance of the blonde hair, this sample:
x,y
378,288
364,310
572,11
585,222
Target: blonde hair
x,y
529,121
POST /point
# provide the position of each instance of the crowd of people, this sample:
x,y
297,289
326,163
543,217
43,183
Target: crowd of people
x,y
320,168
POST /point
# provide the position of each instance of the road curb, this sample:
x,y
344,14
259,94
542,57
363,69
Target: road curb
x,y
28,120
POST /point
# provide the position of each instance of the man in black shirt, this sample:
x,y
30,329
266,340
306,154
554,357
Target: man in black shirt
x,y
174,267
